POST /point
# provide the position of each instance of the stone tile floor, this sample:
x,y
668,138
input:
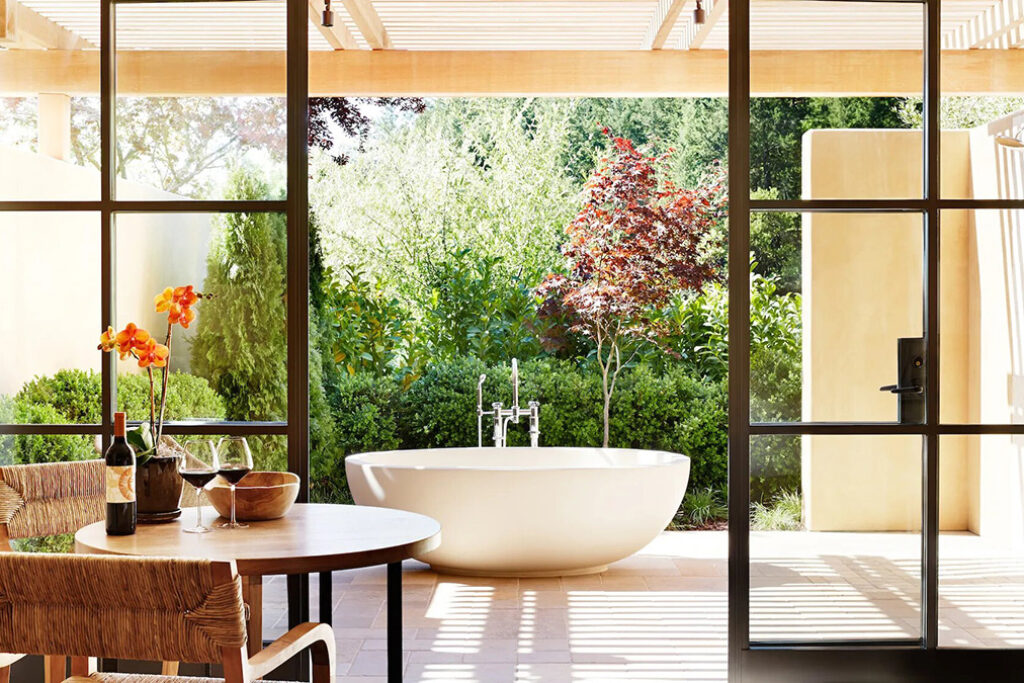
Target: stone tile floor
x,y
661,614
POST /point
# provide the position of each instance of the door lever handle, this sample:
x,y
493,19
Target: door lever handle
x,y
896,389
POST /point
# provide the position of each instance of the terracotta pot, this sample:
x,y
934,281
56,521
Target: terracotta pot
x,y
158,488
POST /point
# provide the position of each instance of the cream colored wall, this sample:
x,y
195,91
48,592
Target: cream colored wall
x,y
50,270
862,285
996,357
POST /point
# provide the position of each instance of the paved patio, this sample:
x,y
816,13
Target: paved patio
x,y
661,614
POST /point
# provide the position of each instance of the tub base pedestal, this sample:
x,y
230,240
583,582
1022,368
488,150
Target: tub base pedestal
x,y
498,574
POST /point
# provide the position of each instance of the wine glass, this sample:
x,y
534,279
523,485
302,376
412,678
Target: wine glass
x,y
235,463
198,467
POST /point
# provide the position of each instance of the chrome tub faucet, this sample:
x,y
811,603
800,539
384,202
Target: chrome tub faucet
x,y
502,416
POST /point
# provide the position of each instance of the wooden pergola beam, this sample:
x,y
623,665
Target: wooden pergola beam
x,y
337,36
576,73
369,24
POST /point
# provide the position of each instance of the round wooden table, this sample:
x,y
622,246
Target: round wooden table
x,y
311,538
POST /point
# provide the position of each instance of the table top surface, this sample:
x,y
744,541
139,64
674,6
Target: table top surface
x,y
310,538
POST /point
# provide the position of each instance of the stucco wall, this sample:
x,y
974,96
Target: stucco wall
x,y
862,285
50,269
996,356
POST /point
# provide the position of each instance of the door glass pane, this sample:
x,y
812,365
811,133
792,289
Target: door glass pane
x,y
982,104
982,321
830,86
835,543
981,549
831,296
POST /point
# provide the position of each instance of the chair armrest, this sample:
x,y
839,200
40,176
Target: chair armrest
x,y
318,637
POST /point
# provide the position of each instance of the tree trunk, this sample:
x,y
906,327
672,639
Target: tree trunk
x,y
607,413
606,390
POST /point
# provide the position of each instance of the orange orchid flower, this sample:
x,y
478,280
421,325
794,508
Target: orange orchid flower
x,y
131,338
177,302
153,354
181,314
164,299
108,341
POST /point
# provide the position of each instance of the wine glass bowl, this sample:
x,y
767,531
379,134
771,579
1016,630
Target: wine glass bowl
x,y
198,467
235,463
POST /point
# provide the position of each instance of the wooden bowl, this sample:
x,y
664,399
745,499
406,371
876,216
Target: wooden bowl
x,y
259,496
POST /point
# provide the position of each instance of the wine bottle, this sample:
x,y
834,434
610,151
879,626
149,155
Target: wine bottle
x,y
120,468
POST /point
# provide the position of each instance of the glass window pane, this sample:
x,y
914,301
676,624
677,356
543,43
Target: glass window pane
x,y
49,101
200,94
835,543
981,549
829,114
982,104
231,360
831,295
50,274
982,317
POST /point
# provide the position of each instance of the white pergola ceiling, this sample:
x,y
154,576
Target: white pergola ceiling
x,y
605,25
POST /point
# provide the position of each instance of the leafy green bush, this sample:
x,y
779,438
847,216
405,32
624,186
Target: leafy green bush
x,y
39,448
781,514
700,508
365,419
72,396
188,397
671,411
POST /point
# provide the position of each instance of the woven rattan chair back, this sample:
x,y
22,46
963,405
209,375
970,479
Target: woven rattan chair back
x,y
49,499
120,607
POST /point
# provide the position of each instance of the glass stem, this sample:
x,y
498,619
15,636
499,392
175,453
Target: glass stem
x,y
199,508
233,522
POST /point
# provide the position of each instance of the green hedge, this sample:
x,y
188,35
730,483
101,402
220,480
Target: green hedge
x,y
668,411
72,396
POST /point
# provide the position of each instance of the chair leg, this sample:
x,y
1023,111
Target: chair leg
x,y
169,668
252,595
55,669
5,675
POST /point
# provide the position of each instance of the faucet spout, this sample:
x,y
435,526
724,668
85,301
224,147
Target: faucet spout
x,y
501,416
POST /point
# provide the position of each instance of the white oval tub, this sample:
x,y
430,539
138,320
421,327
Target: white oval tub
x,y
527,511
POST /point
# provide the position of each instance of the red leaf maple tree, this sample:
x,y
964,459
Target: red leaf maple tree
x,y
634,244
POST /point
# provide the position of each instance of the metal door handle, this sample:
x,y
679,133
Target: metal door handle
x,y
896,389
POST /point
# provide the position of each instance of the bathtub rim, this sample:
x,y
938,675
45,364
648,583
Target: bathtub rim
x,y
673,460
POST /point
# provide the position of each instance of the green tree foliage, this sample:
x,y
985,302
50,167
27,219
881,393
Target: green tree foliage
x,y
240,340
480,173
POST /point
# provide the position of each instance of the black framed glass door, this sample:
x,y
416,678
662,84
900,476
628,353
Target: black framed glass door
x,y
885,465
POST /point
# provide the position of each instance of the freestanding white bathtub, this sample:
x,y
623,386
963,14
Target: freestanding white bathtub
x,y
527,511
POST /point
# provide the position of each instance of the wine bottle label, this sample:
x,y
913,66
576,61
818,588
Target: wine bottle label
x,y
120,483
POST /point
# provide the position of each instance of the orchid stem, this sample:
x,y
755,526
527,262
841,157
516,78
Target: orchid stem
x,y
163,389
152,402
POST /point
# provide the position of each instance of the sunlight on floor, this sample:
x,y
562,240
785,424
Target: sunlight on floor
x,y
661,614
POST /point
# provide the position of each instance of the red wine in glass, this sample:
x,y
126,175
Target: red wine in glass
x,y
198,466
198,478
235,462
234,474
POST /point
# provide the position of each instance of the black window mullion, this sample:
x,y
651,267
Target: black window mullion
x,y
108,179
739,336
930,447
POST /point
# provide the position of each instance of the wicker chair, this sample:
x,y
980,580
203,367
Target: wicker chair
x,y
89,606
45,500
